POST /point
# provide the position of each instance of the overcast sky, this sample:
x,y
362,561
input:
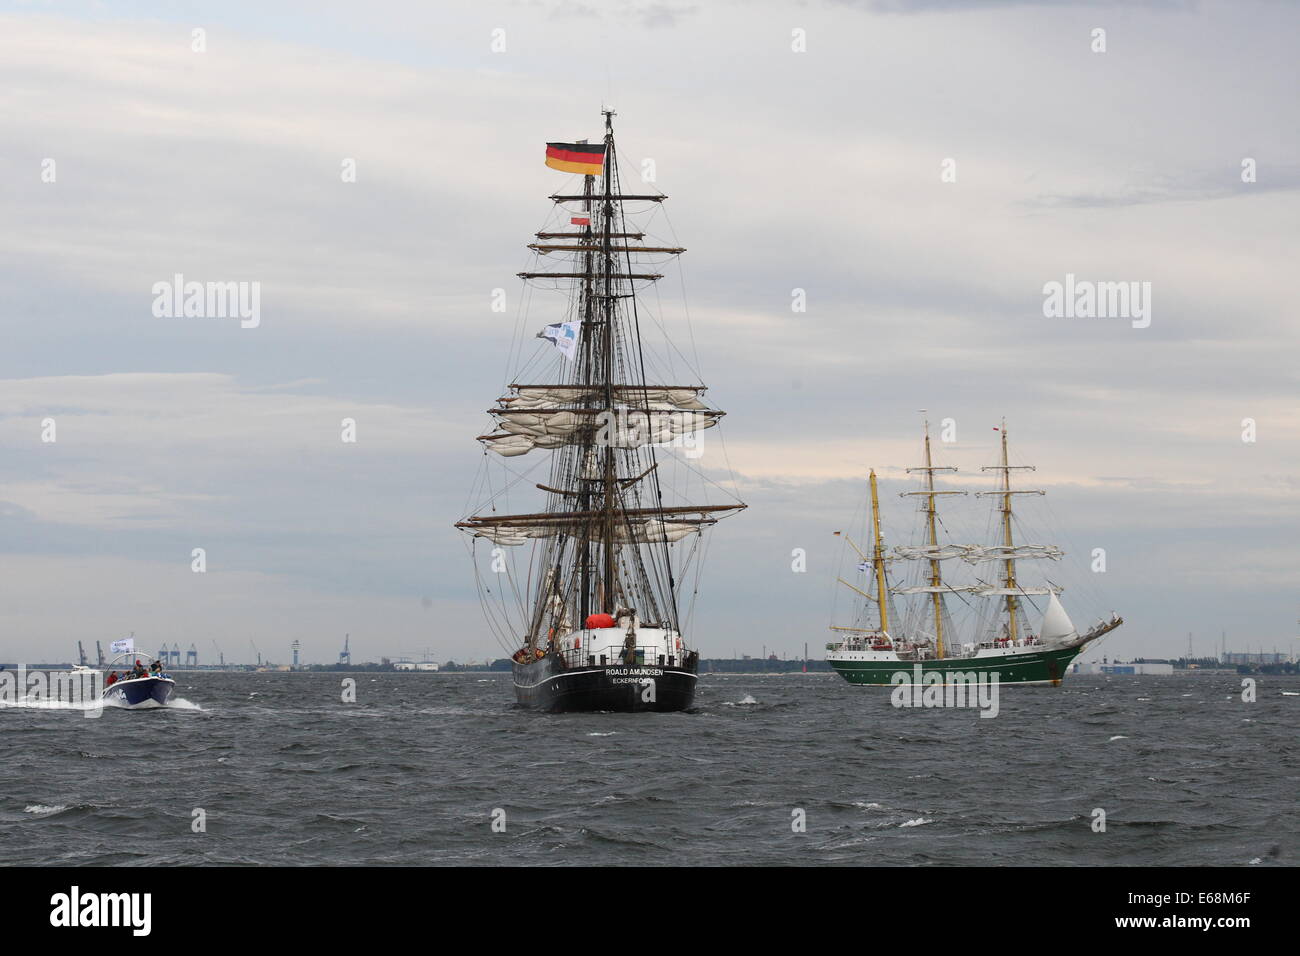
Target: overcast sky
x,y
819,170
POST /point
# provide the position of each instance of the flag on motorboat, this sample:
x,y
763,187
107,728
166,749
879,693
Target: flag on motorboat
x,y
124,646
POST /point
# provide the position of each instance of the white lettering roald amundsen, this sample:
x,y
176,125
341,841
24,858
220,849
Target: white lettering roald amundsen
x,y
103,909
1098,300
211,300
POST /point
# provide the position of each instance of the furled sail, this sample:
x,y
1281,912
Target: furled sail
x,y
647,531
1018,552
522,431
933,589
685,397
939,552
1004,592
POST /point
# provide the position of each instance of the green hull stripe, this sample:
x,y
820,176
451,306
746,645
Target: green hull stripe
x,y
1035,667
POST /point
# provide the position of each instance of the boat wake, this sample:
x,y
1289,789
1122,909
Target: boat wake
x,y
176,703
25,704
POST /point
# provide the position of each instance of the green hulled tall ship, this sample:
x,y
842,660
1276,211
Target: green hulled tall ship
x,y
882,643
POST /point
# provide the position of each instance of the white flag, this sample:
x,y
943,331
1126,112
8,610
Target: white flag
x,y
564,336
124,646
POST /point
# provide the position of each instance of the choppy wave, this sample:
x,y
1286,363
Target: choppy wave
x,y
289,775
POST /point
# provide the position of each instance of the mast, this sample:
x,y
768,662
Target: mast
x,y
587,313
601,417
878,558
607,367
1009,578
1006,492
932,537
936,577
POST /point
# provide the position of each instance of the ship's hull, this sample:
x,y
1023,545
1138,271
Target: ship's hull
x,y
141,693
1029,667
550,686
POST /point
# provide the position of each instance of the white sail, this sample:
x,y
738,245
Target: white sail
x,y
933,589
652,396
515,535
524,423
647,531
655,531
1057,628
1018,552
508,445
522,431
1004,592
936,553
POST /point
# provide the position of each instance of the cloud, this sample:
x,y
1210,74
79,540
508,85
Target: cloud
x,y
818,171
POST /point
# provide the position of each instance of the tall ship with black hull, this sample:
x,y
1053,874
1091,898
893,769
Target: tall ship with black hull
x,y
1002,642
586,590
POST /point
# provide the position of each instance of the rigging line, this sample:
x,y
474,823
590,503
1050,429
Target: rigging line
x,y
655,315
538,358
658,489
497,627
634,554
502,592
699,546
480,478
658,318
661,324
839,563
490,501
681,275
1090,591
685,463
726,462
515,352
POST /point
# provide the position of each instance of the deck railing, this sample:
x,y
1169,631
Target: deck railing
x,y
652,655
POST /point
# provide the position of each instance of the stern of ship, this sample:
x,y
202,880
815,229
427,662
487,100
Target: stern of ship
x,y
592,670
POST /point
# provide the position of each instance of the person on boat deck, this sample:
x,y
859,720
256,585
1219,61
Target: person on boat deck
x,y
112,679
155,668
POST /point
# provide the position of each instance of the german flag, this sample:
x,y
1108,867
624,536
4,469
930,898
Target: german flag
x,y
584,158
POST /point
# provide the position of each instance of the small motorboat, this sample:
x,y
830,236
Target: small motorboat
x,y
140,693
